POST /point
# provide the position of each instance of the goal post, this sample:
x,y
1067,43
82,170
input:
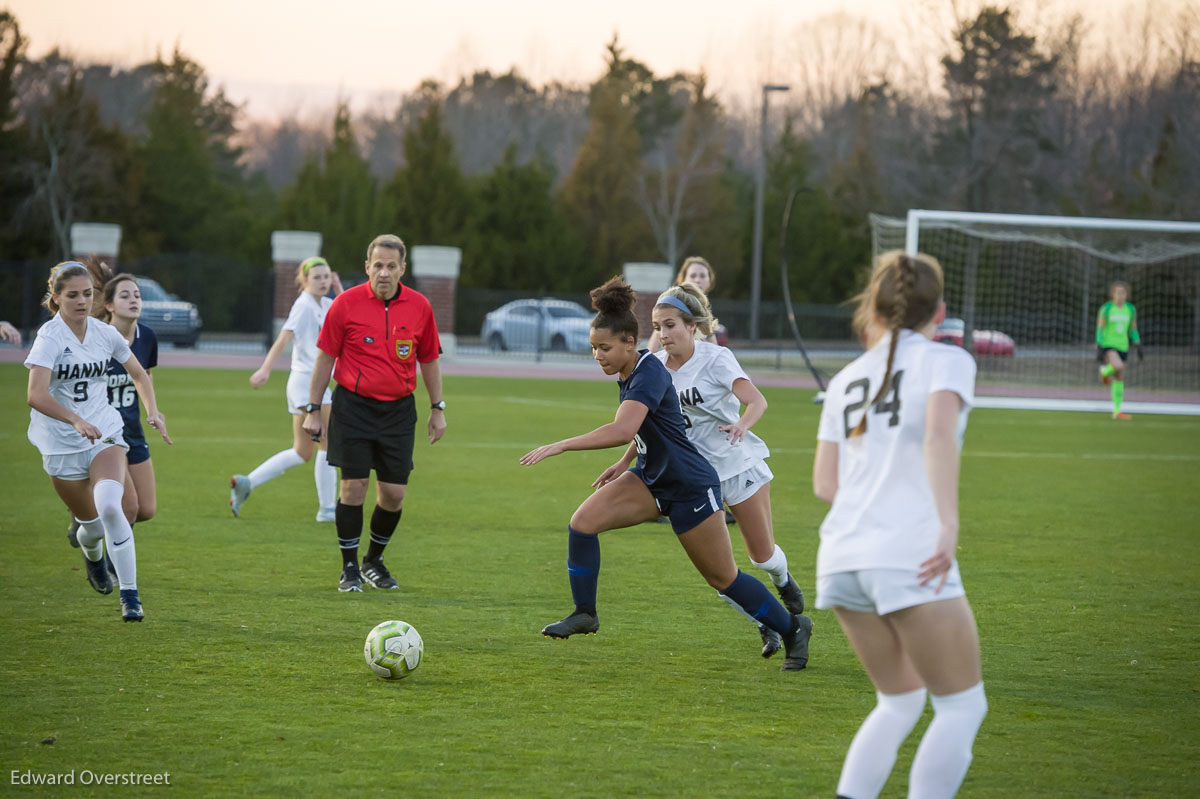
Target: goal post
x,y
1023,292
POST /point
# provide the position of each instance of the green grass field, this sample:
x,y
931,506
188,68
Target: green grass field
x,y
1080,550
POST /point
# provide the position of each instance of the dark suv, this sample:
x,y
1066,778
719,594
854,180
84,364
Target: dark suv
x,y
173,320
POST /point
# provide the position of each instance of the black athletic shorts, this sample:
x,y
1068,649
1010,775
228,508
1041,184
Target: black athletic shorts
x,y
1101,351
366,434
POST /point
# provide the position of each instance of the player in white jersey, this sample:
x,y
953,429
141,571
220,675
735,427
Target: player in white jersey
x,y
79,434
887,461
314,279
712,389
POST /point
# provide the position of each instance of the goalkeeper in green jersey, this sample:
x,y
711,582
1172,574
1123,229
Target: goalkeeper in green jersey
x,y
1116,326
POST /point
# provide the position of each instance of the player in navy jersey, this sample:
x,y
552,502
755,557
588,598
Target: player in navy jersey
x,y
79,435
670,477
122,303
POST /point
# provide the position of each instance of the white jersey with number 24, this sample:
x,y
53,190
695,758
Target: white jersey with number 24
x,y
883,515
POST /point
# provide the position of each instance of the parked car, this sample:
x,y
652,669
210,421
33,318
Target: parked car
x,y
986,342
173,320
556,325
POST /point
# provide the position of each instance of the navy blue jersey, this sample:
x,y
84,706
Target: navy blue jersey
x,y
122,394
667,462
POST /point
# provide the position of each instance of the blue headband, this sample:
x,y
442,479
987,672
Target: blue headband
x,y
670,299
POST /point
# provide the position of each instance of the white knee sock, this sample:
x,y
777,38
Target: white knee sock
x,y
945,751
776,566
274,466
873,750
118,535
326,478
91,538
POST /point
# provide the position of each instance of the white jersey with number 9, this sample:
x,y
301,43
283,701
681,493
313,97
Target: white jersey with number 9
x,y
77,380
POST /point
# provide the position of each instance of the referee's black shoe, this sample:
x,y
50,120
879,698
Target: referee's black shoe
x,y
577,623
796,645
772,643
351,579
791,595
377,575
97,575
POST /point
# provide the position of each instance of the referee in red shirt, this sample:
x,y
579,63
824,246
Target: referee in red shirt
x,y
373,337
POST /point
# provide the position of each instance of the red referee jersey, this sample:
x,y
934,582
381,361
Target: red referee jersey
x,y
379,344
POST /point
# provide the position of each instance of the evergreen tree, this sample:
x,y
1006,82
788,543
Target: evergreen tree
x,y
334,194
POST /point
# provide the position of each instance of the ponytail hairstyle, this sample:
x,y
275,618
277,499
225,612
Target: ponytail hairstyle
x,y
697,310
614,303
696,259
305,265
101,273
109,292
59,276
904,290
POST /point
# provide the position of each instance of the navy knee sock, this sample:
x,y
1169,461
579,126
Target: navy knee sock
x,y
760,603
583,569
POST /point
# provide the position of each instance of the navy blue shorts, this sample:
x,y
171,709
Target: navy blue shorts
x,y
1102,354
686,514
138,453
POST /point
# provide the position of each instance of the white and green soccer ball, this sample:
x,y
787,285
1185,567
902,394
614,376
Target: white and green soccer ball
x,y
393,650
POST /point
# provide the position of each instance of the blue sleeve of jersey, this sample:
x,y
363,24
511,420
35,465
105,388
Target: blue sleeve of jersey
x,y
648,385
151,348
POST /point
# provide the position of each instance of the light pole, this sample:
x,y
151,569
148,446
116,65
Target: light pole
x,y
759,190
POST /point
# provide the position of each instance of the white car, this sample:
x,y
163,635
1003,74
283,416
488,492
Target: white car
x,y
538,325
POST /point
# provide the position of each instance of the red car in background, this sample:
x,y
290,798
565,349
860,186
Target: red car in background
x,y
986,342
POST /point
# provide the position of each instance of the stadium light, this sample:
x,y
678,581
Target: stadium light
x,y
759,190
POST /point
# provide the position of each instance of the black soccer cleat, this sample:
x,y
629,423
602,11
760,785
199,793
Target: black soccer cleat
x,y
73,533
351,579
772,643
97,575
576,624
131,606
796,645
791,595
377,575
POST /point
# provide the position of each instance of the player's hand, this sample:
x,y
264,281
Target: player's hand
x,y
943,558
314,425
541,453
734,433
159,423
335,284
437,426
259,378
611,473
10,334
87,430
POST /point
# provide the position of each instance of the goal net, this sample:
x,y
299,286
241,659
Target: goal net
x,y
1022,293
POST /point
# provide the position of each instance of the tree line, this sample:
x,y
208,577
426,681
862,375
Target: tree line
x,y
552,188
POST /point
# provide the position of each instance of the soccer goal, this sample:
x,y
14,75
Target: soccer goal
x,y
1022,294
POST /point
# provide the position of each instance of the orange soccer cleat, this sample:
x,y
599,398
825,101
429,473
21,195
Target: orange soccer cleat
x,y
1124,417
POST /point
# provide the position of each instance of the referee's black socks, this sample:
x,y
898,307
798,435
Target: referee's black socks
x,y
383,524
348,519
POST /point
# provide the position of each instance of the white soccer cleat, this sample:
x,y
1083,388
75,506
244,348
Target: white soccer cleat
x,y
327,515
239,490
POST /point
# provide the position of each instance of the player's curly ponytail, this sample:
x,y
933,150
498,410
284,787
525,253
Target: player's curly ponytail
x,y
698,308
614,303
59,276
904,291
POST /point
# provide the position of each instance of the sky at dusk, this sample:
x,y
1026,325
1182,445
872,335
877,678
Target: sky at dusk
x,y
299,56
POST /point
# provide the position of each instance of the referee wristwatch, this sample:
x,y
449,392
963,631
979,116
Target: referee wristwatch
x,y
312,407
440,405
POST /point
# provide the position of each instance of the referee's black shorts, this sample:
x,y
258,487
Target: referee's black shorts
x,y
366,434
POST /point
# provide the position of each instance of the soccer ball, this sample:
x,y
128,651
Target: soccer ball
x,y
393,650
